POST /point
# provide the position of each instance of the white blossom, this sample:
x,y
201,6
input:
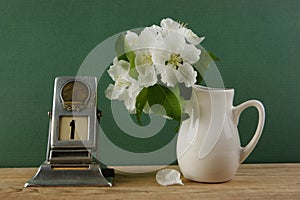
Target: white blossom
x,y
145,68
163,53
125,87
190,36
174,60
143,45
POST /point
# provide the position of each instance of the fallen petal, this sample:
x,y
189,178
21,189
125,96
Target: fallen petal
x,y
167,177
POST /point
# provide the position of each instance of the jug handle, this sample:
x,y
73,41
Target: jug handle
x,y
245,151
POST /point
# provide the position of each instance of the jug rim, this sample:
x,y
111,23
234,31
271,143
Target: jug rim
x,y
212,89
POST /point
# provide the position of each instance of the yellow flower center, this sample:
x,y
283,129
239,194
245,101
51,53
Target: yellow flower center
x,y
175,60
121,83
147,58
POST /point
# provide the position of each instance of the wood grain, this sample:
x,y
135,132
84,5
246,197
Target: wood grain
x,y
252,181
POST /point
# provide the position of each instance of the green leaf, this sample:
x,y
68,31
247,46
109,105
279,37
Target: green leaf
x,y
120,47
129,54
131,57
141,101
125,53
213,56
168,99
133,73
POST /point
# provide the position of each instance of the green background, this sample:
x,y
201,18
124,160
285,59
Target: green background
x,y
257,41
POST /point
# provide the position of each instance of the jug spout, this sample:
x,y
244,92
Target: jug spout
x,y
211,96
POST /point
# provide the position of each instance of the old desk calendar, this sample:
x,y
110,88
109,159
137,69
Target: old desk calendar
x,y
72,142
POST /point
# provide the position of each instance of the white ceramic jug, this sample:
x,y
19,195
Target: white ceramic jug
x,y
208,145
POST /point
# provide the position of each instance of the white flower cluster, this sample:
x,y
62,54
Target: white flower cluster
x,y
166,53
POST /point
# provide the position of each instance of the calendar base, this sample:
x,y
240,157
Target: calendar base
x,y
71,175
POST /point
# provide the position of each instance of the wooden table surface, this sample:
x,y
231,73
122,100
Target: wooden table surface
x,y
252,181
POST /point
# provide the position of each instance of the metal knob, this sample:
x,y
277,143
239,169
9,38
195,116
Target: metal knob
x,y
99,114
